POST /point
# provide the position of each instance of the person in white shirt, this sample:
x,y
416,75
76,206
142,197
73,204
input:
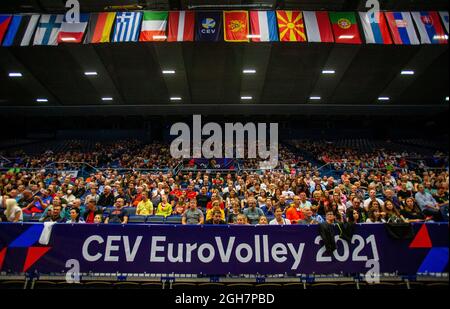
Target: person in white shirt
x,y
372,196
279,220
13,212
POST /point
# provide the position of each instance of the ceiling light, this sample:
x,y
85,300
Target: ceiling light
x,y
328,71
42,100
407,72
383,98
168,71
92,73
15,74
446,99
315,98
175,98
249,71
246,97
107,99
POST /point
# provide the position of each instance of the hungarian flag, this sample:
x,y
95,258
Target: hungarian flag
x,y
4,23
236,26
318,27
99,28
154,26
402,28
291,26
73,32
430,28
345,28
264,26
375,28
181,26
21,30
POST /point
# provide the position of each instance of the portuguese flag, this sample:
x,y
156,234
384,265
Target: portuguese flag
x,y
345,28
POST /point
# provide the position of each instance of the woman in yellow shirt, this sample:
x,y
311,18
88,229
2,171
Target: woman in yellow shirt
x,y
164,208
215,206
145,206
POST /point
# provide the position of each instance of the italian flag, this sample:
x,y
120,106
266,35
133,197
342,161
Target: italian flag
x,y
181,26
153,26
345,28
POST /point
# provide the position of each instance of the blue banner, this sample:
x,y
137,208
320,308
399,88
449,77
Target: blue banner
x,y
218,250
208,26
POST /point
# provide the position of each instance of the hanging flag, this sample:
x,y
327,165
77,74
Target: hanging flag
x,y
375,28
99,28
21,30
444,16
73,32
48,30
345,28
236,26
154,26
430,28
208,26
291,27
402,28
318,27
127,26
263,26
181,26
4,23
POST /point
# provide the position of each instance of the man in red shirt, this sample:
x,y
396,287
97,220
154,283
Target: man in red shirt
x,y
295,213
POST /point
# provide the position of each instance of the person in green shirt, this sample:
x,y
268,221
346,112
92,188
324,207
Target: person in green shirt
x,y
145,206
164,208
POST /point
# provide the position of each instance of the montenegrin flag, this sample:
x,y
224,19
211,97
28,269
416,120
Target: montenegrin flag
x,y
291,26
236,26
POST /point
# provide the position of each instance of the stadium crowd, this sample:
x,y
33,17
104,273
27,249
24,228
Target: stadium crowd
x,y
296,194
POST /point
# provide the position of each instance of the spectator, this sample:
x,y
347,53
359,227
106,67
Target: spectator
x,y
372,197
279,220
215,207
294,213
76,204
106,198
216,217
374,217
13,212
252,212
54,215
356,206
164,208
263,221
241,219
392,214
307,216
428,204
145,206
236,210
91,211
75,216
411,212
192,215
98,219
118,214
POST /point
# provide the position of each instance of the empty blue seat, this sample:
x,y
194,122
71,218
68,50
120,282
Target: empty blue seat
x,y
173,220
155,219
136,219
131,211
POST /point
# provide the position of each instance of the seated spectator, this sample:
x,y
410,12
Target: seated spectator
x,y
106,198
91,211
428,204
164,207
118,214
315,215
203,198
307,219
411,212
392,214
241,220
54,215
303,200
75,216
294,213
442,200
263,220
30,204
374,217
215,207
356,206
216,217
372,197
279,220
192,215
253,213
92,195
268,208
180,208
98,219
215,197
282,203
232,215
145,206
354,217
75,204
13,212
69,197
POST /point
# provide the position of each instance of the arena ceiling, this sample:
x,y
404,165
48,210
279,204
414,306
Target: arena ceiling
x,y
209,76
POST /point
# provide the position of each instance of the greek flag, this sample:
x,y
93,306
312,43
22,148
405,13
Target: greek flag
x,y
127,27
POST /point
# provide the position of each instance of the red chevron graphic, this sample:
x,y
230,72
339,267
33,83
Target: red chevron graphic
x,y
2,256
34,254
422,239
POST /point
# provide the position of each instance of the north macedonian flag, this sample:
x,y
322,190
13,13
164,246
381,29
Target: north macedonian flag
x,y
235,25
291,26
